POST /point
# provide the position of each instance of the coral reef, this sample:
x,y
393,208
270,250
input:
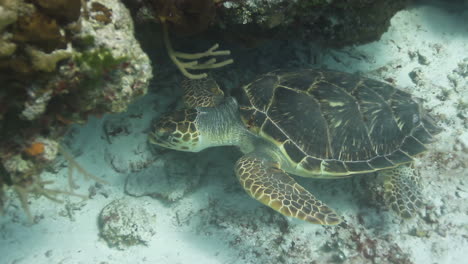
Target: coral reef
x,y
125,222
60,62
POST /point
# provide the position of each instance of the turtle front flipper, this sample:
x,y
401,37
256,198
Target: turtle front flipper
x,y
265,181
202,93
402,190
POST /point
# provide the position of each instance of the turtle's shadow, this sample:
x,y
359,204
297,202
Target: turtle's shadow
x,y
358,198
243,223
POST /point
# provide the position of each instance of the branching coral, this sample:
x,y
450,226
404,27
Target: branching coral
x,y
38,187
188,18
31,183
74,165
193,63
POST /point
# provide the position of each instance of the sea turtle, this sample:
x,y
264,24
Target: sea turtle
x,y
310,123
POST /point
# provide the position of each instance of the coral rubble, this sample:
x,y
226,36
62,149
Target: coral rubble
x,y
124,223
60,62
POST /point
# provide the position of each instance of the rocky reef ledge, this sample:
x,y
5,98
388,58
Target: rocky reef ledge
x,y
333,23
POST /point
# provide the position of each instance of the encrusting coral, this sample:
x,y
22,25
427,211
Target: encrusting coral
x,y
47,62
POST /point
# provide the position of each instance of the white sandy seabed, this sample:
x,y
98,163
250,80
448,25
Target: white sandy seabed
x,y
188,208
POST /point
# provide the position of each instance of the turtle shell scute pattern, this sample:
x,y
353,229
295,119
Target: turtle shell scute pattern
x,y
336,123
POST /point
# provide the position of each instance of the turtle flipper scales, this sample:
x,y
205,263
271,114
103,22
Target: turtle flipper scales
x,y
402,190
265,181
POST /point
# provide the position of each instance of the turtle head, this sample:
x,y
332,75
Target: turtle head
x,y
177,130
195,129
181,130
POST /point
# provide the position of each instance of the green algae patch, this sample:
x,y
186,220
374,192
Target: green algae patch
x,y
98,62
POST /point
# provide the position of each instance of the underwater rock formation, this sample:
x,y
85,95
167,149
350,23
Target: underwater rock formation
x,y
61,61
334,23
251,22
125,222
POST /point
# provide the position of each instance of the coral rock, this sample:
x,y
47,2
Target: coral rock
x,y
17,164
125,223
63,10
40,30
7,17
6,48
42,61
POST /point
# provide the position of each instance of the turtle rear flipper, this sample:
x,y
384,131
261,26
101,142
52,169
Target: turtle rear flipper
x,y
272,186
402,191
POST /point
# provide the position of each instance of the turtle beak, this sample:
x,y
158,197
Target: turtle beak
x,y
161,138
176,130
153,139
